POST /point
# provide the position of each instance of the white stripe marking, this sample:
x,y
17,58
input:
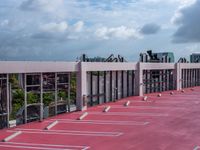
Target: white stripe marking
x,y
145,107
12,136
51,125
68,132
197,148
162,102
106,109
31,147
82,116
138,101
127,103
104,122
131,114
145,98
159,95
47,145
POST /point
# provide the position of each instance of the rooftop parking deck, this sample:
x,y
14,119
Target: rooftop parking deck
x,y
169,122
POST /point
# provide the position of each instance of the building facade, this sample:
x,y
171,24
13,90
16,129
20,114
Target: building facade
x,y
195,58
32,91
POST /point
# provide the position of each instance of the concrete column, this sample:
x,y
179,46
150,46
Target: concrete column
x,y
69,92
177,76
25,98
8,100
139,80
81,86
56,92
41,97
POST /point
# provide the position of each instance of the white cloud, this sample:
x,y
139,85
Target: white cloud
x,y
78,27
46,5
182,2
54,27
121,32
186,2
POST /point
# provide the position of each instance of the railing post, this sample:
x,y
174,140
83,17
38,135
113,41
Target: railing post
x,y
81,87
139,80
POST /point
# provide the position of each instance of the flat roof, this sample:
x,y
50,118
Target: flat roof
x,y
166,122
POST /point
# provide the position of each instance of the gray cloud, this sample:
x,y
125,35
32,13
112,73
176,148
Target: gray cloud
x,y
188,22
150,28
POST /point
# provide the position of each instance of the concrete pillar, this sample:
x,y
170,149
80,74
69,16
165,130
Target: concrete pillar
x,y
139,80
41,97
69,92
25,98
81,87
8,99
177,76
56,92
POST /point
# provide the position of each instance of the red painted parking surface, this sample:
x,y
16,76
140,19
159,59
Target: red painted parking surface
x,y
169,122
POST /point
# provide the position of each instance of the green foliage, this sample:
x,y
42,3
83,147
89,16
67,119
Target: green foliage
x,y
62,94
48,98
13,79
32,98
18,95
17,101
73,88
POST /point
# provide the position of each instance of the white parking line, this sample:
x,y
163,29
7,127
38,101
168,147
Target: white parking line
x,y
170,102
127,103
144,107
31,147
197,148
51,125
140,101
70,132
12,136
42,146
82,116
106,109
104,122
130,114
164,101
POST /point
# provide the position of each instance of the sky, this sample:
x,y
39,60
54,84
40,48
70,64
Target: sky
x,y
60,30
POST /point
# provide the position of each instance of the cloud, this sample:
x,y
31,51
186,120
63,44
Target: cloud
x,y
60,31
121,32
171,1
188,21
78,26
4,23
54,27
150,28
46,5
53,8
71,26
